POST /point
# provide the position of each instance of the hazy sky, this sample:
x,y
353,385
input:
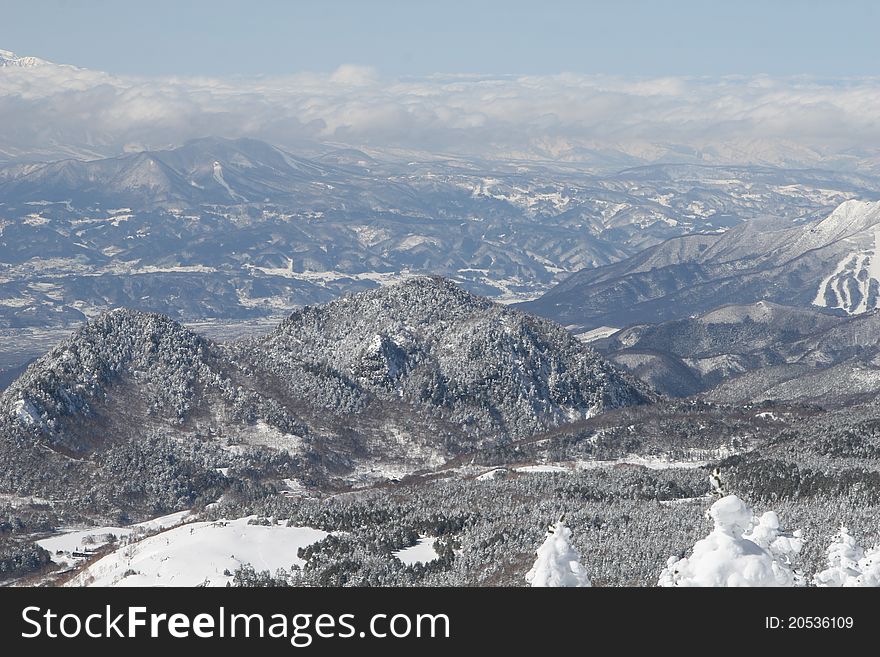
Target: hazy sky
x,y
778,82
644,38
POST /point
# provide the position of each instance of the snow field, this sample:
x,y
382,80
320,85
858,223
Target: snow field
x,y
200,553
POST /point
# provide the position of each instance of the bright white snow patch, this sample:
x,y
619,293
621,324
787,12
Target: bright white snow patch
x,y
542,468
660,462
218,177
491,474
650,462
596,334
91,538
854,285
200,553
262,433
26,413
422,552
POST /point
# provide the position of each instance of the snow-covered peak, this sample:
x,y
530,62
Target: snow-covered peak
x,y
10,59
428,341
854,283
848,217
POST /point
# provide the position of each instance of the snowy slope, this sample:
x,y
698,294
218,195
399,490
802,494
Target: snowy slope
x,y
63,545
854,284
10,59
427,342
827,261
200,553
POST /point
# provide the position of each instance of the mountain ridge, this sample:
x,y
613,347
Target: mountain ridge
x,y
333,392
10,59
773,260
234,229
754,352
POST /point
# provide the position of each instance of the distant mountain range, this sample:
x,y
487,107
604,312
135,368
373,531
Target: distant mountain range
x,y
237,229
204,172
770,309
10,59
755,352
828,262
232,229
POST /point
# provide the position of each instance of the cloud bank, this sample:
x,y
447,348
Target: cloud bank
x,y
48,109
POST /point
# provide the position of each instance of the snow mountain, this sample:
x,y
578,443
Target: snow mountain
x,y
235,229
827,262
374,385
428,343
10,59
754,352
204,171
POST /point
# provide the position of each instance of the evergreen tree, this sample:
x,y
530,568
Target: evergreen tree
x,y
869,567
784,546
558,563
728,557
844,555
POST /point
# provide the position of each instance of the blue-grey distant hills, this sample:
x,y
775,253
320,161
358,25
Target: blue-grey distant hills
x,y
830,263
232,229
203,172
770,309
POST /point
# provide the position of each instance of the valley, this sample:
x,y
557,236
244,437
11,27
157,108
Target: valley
x,y
230,362
156,231
398,431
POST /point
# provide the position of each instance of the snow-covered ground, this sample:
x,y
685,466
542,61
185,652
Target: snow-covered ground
x,y
491,474
200,553
16,501
854,284
422,552
687,500
596,334
542,468
261,433
850,284
652,463
701,458
89,539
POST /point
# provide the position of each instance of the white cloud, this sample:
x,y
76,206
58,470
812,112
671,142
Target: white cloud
x,y
355,76
569,116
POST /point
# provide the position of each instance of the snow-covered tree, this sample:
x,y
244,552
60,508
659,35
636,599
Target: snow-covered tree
x,y
728,557
869,567
558,563
784,546
844,557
